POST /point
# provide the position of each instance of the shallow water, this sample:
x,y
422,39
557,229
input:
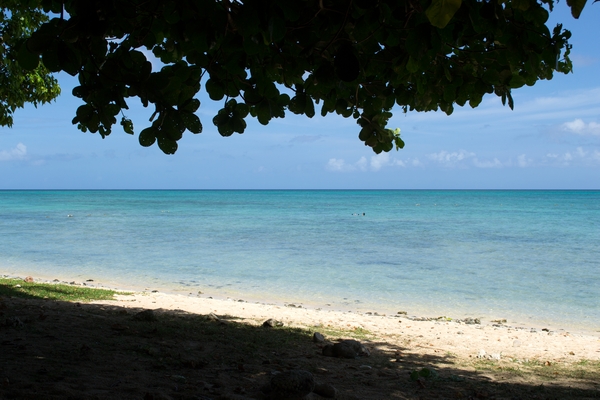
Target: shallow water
x,y
530,256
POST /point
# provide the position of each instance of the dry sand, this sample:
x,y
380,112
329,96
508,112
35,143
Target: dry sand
x,y
494,341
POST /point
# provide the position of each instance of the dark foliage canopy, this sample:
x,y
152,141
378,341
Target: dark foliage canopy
x,y
263,58
19,85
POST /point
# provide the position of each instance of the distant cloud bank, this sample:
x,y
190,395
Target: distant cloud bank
x,y
18,153
464,159
579,127
376,163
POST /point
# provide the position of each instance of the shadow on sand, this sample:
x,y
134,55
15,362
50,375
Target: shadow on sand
x,y
62,350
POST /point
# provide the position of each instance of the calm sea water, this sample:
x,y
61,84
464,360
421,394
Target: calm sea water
x,y
529,256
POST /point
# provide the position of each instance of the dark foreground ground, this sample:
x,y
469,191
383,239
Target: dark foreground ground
x,y
63,350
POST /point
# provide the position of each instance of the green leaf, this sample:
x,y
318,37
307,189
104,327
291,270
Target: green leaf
x,y
238,125
440,12
41,40
399,143
148,137
84,113
276,29
412,65
426,372
309,111
191,105
511,102
192,122
225,128
298,103
576,7
241,110
215,89
70,60
27,59
517,81
127,125
414,376
263,112
167,146
522,5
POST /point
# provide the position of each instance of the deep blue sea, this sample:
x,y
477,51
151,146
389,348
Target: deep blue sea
x,y
530,256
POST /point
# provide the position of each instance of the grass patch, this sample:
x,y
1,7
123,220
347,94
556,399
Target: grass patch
x,y
51,291
355,333
583,370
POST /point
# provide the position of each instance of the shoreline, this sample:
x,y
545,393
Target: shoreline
x,y
522,322
467,338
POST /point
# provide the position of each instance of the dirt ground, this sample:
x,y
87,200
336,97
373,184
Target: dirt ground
x,y
62,350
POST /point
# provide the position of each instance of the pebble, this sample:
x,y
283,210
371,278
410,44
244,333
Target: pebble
x,y
318,337
325,390
346,349
271,323
294,384
179,378
213,317
516,343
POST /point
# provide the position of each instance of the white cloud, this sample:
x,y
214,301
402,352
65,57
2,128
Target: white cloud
x,y
579,127
495,163
451,159
18,153
362,164
380,160
523,161
460,158
338,164
578,156
376,163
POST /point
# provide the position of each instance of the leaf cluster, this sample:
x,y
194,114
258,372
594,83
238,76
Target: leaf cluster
x,y
21,82
263,58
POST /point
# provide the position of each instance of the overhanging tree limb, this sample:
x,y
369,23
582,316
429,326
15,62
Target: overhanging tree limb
x,y
354,58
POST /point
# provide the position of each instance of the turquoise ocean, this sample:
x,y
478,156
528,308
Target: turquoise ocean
x,y
532,257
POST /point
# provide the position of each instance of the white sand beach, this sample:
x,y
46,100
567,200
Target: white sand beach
x,y
463,339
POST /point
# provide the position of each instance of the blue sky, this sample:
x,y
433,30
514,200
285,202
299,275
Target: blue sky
x,y
550,141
